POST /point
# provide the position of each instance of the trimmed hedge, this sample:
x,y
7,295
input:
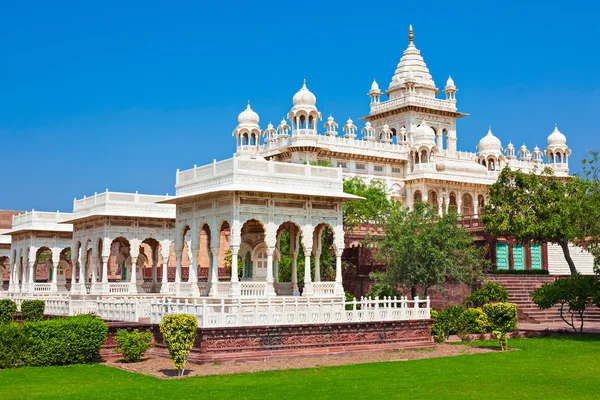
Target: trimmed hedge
x,y
32,310
520,272
8,309
11,345
63,341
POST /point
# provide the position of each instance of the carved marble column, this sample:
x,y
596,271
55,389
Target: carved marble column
x,y
308,287
105,288
294,278
164,285
317,254
214,271
270,288
55,261
133,278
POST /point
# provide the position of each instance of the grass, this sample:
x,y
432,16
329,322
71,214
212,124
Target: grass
x,y
544,368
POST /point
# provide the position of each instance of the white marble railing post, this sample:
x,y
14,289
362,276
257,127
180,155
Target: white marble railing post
x,y
31,277
13,283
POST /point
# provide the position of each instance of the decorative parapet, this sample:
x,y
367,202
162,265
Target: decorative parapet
x,y
413,99
257,174
41,221
122,204
339,144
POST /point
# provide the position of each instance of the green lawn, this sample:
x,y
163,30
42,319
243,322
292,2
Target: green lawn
x,y
544,368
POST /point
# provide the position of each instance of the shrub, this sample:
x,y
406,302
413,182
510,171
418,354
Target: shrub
x,y
11,345
503,319
179,333
133,345
348,297
32,310
8,309
574,295
491,292
520,272
447,322
476,321
63,341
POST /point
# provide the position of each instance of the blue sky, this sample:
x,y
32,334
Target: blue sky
x,y
120,94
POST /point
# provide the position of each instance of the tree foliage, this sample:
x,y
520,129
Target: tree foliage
x,y
179,334
374,209
539,207
502,318
422,250
573,295
491,292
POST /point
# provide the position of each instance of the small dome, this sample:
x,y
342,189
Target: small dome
x,y
510,146
374,85
248,116
304,97
557,138
536,148
490,143
349,122
330,119
270,126
450,82
283,122
524,148
424,134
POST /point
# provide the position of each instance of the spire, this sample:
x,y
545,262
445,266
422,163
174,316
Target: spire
x,y
411,36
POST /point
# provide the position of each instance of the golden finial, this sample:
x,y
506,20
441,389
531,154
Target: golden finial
x,y
410,34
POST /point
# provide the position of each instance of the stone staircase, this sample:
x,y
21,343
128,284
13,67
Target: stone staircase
x,y
520,287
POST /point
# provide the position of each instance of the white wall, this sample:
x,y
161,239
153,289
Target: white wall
x,y
557,265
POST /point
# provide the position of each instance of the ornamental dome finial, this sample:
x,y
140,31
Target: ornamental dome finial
x,y
411,36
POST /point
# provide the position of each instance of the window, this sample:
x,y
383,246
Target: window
x,y
342,164
360,166
396,170
378,168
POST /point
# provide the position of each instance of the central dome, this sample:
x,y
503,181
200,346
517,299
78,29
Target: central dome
x,y
557,138
304,97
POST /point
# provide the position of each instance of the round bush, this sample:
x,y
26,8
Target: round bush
x,y
32,310
8,309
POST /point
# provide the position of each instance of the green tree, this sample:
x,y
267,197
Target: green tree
x,y
372,210
539,207
422,250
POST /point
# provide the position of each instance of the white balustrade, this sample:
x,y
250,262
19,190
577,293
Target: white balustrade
x,y
253,289
235,312
118,287
323,288
42,287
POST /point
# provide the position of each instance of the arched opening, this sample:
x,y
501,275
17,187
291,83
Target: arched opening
x,y
289,260
452,205
417,197
444,139
558,158
244,138
480,203
42,265
252,236
119,264
64,270
424,158
491,164
467,204
433,199
4,270
146,268
323,264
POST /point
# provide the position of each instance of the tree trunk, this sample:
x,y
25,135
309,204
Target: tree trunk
x,y
565,248
413,292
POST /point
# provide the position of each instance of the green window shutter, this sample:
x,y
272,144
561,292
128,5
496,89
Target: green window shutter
x,y
501,255
536,256
518,257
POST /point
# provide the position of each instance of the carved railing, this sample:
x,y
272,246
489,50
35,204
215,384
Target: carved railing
x,y
324,289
